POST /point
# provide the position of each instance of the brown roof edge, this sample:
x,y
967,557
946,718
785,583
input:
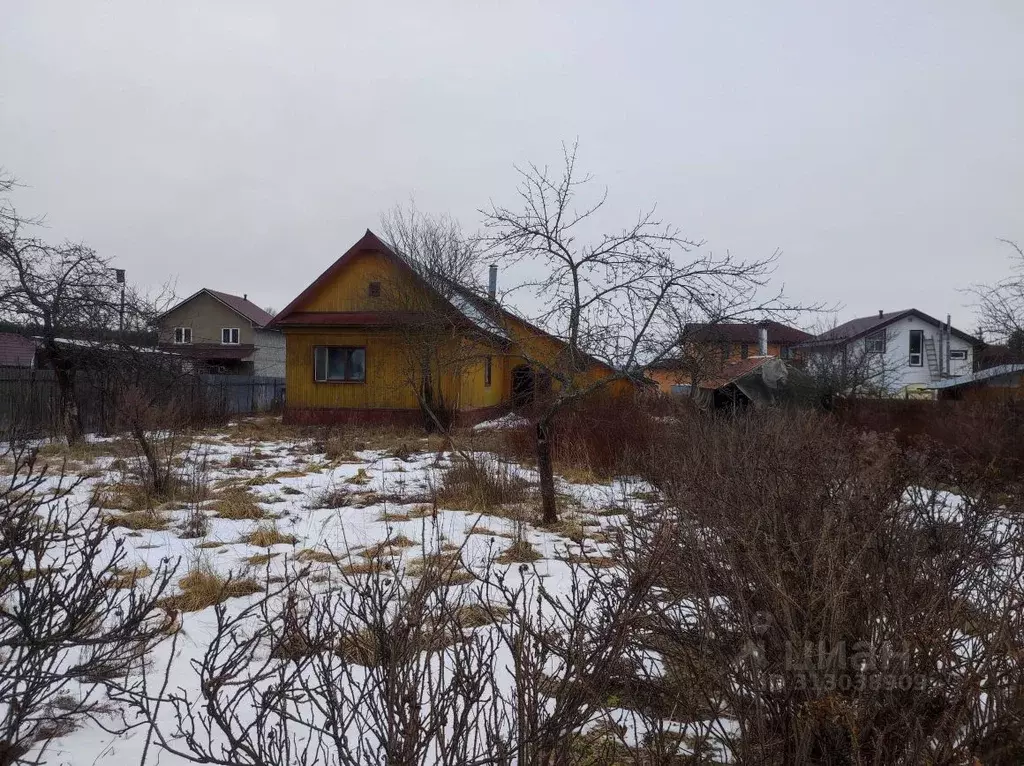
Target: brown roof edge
x,y
237,303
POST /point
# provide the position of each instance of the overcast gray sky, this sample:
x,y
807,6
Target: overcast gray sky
x,y
245,145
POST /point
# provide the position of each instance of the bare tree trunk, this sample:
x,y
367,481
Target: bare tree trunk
x,y
156,476
70,419
546,472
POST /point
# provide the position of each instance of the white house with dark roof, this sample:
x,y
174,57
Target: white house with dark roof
x,y
223,333
903,350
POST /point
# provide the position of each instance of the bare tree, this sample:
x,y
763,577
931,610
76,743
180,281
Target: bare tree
x,y
858,368
613,301
1000,306
63,293
436,337
73,611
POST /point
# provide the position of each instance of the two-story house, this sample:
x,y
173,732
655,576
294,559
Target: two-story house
x,y
891,353
223,333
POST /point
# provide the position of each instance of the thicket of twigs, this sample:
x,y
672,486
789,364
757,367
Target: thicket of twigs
x,y
801,591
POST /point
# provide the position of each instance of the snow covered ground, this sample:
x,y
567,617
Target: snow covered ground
x,y
379,496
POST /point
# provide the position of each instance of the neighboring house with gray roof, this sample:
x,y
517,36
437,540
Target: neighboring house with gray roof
x,y
907,350
222,332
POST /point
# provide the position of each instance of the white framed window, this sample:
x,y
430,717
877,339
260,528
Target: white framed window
x,y
229,336
339,364
182,334
875,343
916,356
958,354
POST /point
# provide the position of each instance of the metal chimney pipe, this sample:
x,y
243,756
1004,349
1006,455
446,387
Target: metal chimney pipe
x,y
492,282
762,339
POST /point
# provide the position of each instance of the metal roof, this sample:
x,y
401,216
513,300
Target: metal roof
x,y
977,377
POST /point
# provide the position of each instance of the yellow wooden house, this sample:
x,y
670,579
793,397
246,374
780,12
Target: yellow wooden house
x,y
372,335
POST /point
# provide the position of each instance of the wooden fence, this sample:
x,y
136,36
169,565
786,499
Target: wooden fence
x,y
29,398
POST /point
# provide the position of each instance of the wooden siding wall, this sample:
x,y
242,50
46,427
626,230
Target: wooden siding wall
x,y
388,379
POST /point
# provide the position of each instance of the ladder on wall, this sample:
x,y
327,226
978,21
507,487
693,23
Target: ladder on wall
x,y
933,359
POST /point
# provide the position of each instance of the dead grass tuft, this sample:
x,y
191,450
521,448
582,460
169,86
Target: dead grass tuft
x,y
261,559
127,577
202,587
519,552
477,529
239,504
479,615
137,520
320,557
266,535
480,484
361,478
441,570
391,547
375,566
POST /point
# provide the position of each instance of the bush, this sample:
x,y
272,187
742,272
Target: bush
x,y
812,585
480,483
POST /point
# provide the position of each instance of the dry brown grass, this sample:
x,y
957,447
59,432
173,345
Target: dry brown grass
x,y
137,520
361,478
127,577
588,560
320,557
519,552
367,648
261,559
266,535
208,544
135,496
375,566
202,587
441,570
478,615
480,485
391,547
392,516
477,529
239,504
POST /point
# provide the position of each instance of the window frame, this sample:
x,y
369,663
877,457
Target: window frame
x,y
910,348
873,339
744,351
373,290
232,332
186,336
488,372
348,352
961,354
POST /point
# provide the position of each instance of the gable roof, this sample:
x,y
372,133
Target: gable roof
x,y
16,350
237,303
743,332
858,328
479,311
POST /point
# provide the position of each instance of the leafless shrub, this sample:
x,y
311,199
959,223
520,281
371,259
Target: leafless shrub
x,y
482,482
826,604
67,613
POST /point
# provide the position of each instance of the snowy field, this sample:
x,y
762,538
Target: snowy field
x,y
329,524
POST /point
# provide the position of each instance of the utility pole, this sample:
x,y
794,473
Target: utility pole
x,y
120,315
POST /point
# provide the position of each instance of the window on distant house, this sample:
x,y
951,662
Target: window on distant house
x,y
487,371
726,350
339,363
229,335
744,351
786,352
959,354
875,344
374,289
182,334
916,356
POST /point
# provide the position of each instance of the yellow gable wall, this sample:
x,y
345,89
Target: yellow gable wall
x,y
350,290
